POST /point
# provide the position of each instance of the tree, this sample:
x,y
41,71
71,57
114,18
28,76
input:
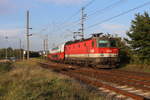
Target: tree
x,y
124,51
139,36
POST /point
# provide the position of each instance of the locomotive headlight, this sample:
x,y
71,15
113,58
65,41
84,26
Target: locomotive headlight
x,y
92,51
108,51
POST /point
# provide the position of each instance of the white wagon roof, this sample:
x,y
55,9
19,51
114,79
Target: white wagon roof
x,y
58,49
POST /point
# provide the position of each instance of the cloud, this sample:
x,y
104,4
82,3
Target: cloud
x,y
13,37
115,29
10,32
5,6
65,1
11,6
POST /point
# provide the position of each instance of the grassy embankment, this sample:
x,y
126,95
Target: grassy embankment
x,y
28,81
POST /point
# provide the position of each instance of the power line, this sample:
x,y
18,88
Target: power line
x,y
62,29
123,13
88,4
63,26
71,24
72,16
85,6
107,7
44,29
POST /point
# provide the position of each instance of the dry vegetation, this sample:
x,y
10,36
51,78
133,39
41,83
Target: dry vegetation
x,y
28,81
137,67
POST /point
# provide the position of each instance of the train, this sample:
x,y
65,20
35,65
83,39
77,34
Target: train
x,y
98,51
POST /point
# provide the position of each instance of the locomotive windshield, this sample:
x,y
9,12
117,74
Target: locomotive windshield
x,y
106,43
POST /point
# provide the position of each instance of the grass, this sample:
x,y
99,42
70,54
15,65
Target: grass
x,y
28,81
137,67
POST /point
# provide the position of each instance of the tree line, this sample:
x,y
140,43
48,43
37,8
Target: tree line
x,y
135,48
6,53
9,52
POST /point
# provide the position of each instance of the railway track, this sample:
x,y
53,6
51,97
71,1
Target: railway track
x,y
117,84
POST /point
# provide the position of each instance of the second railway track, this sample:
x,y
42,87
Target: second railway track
x,y
119,84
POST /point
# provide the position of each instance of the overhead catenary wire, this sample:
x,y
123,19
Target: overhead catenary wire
x,y
63,25
76,22
88,4
75,14
72,16
121,14
85,6
107,7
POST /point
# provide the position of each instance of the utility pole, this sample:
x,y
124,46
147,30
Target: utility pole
x,y
44,47
82,22
46,44
28,35
75,34
6,56
28,52
20,49
23,52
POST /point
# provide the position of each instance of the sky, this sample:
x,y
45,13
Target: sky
x,y
58,19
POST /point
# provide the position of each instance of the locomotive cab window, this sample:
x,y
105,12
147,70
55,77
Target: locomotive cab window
x,y
103,43
113,43
107,43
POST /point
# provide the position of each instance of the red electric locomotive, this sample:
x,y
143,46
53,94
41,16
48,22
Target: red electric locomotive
x,y
97,51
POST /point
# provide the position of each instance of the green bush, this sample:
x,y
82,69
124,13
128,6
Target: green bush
x,y
5,67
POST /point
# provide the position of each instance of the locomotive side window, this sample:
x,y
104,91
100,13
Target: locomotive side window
x,y
92,43
79,45
85,44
